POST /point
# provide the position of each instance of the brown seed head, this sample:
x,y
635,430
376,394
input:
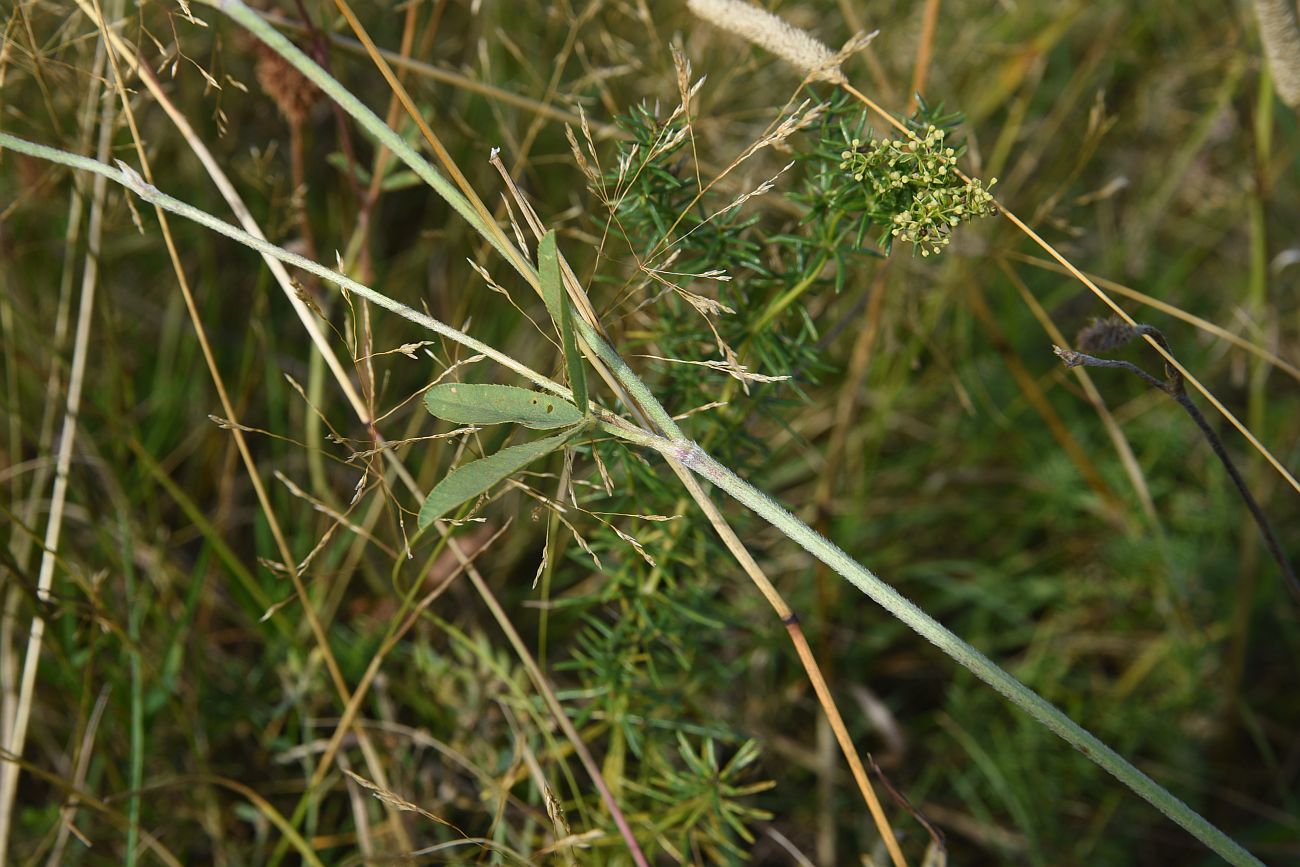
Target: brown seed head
x,y
1103,335
292,92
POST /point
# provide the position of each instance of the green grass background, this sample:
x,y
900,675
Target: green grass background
x,y
1143,140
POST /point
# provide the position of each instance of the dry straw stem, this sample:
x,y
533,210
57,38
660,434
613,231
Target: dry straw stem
x,y
1280,33
805,654
1198,322
16,730
38,498
816,61
1074,272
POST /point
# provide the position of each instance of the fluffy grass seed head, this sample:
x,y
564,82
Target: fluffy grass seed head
x,y
756,25
1280,33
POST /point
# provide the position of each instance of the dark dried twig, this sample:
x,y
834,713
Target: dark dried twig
x,y
1110,334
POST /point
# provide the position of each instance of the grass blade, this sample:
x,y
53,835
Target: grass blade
x,y
548,269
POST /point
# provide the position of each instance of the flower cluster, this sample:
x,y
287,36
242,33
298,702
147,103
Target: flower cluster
x,y
916,184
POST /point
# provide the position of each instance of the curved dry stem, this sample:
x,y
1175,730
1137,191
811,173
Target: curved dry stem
x,y
1106,299
806,658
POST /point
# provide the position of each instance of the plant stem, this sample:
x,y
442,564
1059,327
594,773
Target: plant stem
x,y
154,196
1173,386
374,125
931,630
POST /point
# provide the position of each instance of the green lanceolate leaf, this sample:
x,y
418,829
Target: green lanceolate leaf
x,y
548,269
471,479
466,403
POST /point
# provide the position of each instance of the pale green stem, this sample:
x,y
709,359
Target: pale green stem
x,y
627,378
149,193
375,126
692,456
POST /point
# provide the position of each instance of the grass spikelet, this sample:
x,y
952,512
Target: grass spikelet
x,y
1280,33
292,93
1103,335
794,46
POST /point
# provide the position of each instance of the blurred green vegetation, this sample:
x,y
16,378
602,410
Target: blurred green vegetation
x,y
1142,140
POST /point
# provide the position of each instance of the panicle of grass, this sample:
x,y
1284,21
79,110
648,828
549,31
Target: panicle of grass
x,y
1280,33
1103,335
292,92
796,47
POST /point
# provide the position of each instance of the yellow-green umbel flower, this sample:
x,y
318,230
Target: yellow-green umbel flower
x,y
915,180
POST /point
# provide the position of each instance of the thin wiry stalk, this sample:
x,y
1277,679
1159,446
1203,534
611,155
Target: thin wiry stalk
x,y
68,812
1198,322
921,68
241,444
9,771
1172,385
1073,271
